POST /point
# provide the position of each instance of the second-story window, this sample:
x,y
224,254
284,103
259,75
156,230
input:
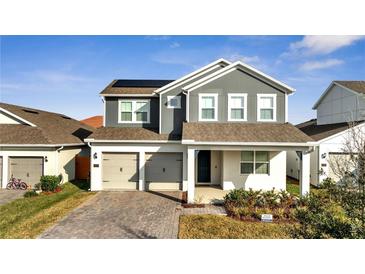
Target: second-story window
x,y
208,107
266,107
237,107
134,111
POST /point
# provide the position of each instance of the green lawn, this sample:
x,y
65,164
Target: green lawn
x,y
292,186
29,217
222,227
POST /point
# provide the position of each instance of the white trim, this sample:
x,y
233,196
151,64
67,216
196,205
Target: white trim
x,y
259,96
132,141
104,102
187,115
41,145
215,95
229,107
192,75
128,95
328,89
134,117
286,108
171,97
237,65
159,116
17,117
192,142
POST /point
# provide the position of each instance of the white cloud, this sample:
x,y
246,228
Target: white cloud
x,y
175,45
52,76
314,65
254,60
322,44
158,37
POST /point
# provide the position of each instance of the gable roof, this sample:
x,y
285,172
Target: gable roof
x,y
94,121
49,128
217,63
198,132
133,87
245,68
353,86
320,132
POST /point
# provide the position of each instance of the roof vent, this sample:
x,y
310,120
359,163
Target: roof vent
x,y
65,117
31,111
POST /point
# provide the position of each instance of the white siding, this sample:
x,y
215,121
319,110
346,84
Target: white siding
x,y
340,105
233,179
7,119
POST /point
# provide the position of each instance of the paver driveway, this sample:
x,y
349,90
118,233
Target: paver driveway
x,y
136,214
7,195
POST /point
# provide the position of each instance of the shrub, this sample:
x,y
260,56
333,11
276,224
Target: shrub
x,y
30,193
49,183
240,203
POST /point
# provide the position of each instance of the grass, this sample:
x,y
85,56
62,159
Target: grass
x,y
28,217
292,186
222,227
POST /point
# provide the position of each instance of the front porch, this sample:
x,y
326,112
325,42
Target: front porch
x,y
226,168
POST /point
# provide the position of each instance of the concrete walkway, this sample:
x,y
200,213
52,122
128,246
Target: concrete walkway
x,y
6,195
109,215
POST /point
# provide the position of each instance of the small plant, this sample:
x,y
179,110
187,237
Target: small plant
x,y
30,193
50,183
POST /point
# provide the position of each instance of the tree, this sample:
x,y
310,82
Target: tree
x,y
349,168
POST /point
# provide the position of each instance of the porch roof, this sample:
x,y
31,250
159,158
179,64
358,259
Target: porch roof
x,y
243,133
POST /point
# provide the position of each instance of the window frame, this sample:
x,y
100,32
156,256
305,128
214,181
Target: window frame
x,y
134,115
273,96
215,96
254,163
173,97
244,96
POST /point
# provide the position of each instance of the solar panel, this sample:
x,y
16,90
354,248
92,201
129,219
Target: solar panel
x,y
141,83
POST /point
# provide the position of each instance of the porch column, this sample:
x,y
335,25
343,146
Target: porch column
x,y
191,175
304,179
141,165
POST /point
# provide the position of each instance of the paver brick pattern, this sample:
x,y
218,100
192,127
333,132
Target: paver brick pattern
x,y
8,195
110,215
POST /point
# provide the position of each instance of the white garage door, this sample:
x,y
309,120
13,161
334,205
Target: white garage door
x,y
28,169
120,171
163,171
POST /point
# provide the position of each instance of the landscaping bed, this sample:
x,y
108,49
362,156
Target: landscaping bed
x,y
222,227
28,217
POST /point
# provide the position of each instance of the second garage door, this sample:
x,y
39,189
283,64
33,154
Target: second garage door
x,y
120,171
163,171
28,169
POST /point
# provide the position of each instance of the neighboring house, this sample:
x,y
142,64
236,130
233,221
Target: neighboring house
x,y
223,125
341,103
35,142
94,121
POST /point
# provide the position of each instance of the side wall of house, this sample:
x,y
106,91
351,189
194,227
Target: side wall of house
x,y
112,113
233,179
66,161
340,105
236,82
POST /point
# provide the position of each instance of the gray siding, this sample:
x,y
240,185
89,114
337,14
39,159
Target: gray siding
x,y
172,119
237,82
111,113
340,105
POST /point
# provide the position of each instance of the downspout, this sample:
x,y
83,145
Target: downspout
x,y
57,162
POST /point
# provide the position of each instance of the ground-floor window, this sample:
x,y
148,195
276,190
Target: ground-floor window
x,y
255,162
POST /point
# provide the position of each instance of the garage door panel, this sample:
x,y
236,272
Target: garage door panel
x,y
120,171
27,169
163,171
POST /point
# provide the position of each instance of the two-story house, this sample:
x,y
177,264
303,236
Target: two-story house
x,y
224,125
343,102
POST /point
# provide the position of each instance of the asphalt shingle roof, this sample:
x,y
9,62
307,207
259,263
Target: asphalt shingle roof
x,y
134,86
51,128
358,86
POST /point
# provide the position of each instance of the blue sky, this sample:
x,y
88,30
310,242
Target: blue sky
x,y
66,73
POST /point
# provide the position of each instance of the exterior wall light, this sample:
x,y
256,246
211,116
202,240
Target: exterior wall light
x,y
45,159
323,155
95,156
